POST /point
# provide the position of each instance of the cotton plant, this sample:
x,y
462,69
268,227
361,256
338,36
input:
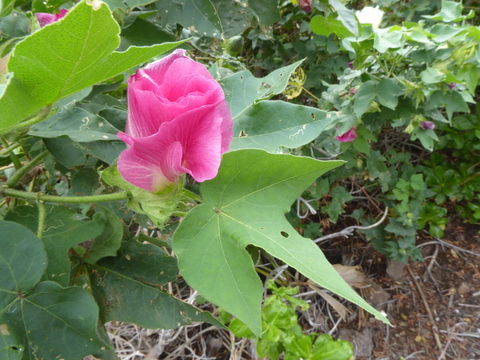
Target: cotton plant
x,y
66,270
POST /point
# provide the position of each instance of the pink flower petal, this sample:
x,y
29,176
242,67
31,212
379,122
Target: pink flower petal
x,y
45,18
148,170
198,139
144,112
349,136
167,88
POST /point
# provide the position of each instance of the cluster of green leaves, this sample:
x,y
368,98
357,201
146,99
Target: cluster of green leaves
x,y
68,265
387,82
49,312
282,335
402,77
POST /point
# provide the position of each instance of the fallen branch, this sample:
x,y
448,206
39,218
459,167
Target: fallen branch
x,y
429,311
445,243
348,231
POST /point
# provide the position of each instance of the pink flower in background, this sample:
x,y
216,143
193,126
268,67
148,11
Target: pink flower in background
x,y
306,5
349,136
178,122
427,125
45,18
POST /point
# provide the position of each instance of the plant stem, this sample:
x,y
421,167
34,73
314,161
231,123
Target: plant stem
x,y
12,156
123,195
44,113
25,168
41,218
311,95
8,149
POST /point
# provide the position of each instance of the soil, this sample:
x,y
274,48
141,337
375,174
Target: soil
x,y
433,305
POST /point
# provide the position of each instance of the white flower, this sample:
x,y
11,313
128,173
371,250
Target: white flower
x,y
370,15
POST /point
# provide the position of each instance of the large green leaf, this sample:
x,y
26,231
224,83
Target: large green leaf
x,y
22,261
10,348
268,125
246,204
128,287
345,15
143,32
65,57
6,6
325,26
451,12
389,38
76,123
265,10
63,230
54,323
217,18
242,89
207,17
126,4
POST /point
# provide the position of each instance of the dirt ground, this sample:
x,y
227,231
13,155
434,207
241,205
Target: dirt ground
x,y
434,305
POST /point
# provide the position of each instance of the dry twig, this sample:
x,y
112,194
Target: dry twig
x,y
348,231
427,308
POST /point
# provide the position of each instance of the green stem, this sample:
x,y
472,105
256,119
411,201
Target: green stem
x,y
25,168
123,195
7,149
33,120
12,156
41,218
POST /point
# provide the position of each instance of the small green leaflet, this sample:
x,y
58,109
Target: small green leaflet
x,y
246,204
65,57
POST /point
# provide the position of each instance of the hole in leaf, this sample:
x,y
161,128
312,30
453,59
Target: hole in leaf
x,y
284,234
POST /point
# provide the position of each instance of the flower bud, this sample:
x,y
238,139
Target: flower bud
x,y
305,5
349,136
427,125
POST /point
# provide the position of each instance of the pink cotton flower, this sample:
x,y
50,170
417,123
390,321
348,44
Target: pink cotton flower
x,y
427,125
305,5
178,122
46,18
349,136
